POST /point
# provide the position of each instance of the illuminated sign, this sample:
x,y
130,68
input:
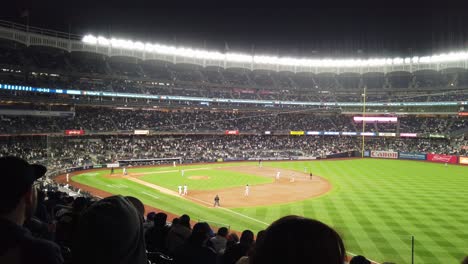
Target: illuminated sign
x,y
141,132
331,133
387,134
349,133
367,134
375,119
313,133
296,133
408,135
231,132
74,132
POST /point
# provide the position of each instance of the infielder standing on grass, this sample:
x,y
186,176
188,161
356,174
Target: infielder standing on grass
x,y
246,193
185,189
180,189
182,172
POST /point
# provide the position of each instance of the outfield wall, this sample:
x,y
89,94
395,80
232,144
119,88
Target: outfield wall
x,y
431,157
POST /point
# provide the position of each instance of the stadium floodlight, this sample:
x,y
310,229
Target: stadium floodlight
x,y
425,59
236,57
102,41
397,61
271,60
90,39
266,60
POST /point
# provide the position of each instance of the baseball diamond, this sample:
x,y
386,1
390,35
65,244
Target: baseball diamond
x,y
384,202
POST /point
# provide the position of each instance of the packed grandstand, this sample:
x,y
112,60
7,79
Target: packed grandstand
x,y
238,114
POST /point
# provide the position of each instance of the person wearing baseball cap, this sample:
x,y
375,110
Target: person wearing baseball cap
x,y
18,199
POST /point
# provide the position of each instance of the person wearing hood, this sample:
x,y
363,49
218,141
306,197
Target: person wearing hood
x,y
110,232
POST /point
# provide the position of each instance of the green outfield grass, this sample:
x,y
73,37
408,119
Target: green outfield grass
x,y
377,205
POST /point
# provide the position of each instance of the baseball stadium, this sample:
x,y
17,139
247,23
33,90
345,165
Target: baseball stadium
x,y
375,148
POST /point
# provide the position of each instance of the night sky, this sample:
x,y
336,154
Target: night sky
x,y
339,31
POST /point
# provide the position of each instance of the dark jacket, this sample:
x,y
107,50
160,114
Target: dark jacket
x,y
17,245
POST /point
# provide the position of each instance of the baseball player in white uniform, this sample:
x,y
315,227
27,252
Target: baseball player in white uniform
x,y
180,189
246,192
68,175
185,189
124,171
278,175
182,172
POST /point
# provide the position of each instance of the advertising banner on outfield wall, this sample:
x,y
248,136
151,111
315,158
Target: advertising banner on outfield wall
x,y
384,154
412,156
341,155
463,160
442,158
367,153
112,165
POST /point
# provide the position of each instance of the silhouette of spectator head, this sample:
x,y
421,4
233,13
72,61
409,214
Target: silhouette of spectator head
x,y
160,219
18,196
150,216
200,233
110,231
465,260
359,260
138,205
247,237
184,220
222,231
295,239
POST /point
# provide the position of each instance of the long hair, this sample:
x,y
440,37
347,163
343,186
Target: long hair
x,y
295,239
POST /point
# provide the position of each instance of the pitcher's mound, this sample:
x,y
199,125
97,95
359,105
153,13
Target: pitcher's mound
x,y
199,177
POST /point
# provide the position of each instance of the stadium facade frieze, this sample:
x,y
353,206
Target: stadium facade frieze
x,y
32,36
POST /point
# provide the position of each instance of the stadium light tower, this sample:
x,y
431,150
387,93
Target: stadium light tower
x,y
363,120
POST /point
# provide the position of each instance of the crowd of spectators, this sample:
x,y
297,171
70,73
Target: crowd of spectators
x,y
63,152
111,120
